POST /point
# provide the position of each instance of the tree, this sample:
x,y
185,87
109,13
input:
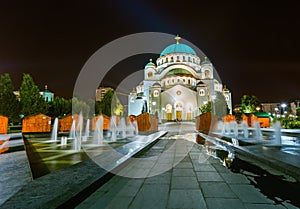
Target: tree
x,y
205,108
219,105
249,103
79,106
298,111
32,102
110,104
9,105
60,107
92,105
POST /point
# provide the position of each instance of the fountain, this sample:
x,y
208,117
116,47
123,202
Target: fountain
x,y
227,128
72,131
130,129
135,126
222,128
257,131
54,130
78,136
87,131
113,128
122,127
234,127
63,141
245,129
98,134
277,132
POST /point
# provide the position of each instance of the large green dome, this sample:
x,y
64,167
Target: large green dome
x,y
178,48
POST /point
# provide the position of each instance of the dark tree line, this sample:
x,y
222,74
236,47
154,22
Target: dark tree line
x,y
30,102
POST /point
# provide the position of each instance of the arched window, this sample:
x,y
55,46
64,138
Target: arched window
x,y
155,93
169,108
207,73
202,92
150,74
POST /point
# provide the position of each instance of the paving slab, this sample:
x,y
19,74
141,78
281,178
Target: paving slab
x,y
263,206
217,189
209,176
177,172
235,178
184,182
224,203
151,196
249,194
186,199
14,171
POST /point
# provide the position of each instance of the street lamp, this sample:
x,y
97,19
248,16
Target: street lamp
x,y
283,106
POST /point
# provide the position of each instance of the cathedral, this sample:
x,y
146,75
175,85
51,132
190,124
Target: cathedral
x,y
177,85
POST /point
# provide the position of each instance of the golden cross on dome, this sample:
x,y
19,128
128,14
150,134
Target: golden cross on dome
x,y
177,38
150,59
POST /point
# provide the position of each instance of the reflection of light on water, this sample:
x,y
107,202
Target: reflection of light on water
x,y
289,140
291,150
190,137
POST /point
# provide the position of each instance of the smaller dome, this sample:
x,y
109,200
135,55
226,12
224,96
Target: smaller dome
x,y
151,64
178,48
156,84
200,83
205,61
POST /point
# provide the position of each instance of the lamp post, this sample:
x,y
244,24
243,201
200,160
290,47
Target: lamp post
x,y
283,106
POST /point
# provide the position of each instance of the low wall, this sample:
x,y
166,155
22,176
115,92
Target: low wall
x,y
65,123
106,122
147,122
3,124
206,122
36,123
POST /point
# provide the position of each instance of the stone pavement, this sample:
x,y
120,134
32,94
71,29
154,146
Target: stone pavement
x,y
14,170
177,173
61,188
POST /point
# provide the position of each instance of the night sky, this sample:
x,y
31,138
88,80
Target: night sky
x,y
254,45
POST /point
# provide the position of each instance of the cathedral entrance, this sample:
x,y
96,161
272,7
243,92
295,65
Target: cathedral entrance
x,y
189,108
169,111
178,115
178,109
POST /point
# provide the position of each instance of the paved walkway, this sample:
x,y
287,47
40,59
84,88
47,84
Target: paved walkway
x,y
174,173
14,170
178,174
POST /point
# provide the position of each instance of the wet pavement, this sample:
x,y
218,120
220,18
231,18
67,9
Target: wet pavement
x,y
14,168
175,172
180,174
